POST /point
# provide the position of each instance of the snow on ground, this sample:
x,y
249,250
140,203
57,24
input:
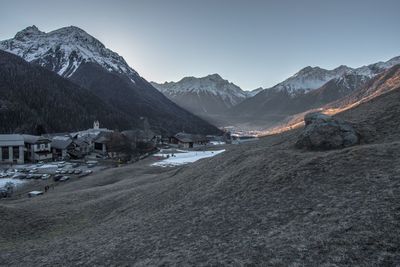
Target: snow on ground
x,y
216,143
184,158
16,182
47,166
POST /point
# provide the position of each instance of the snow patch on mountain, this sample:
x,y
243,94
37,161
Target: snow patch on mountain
x,y
211,85
64,50
311,78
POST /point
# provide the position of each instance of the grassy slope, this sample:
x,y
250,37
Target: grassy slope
x,y
259,203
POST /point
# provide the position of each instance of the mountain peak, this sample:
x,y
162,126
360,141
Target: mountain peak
x,y
308,69
195,88
28,31
71,30
214,76
64,50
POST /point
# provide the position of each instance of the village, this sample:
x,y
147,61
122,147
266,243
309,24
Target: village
x,y
48,159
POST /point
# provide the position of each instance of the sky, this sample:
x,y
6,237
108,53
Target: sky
x,y
252,43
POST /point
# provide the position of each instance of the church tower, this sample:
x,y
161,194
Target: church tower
x,y
96,125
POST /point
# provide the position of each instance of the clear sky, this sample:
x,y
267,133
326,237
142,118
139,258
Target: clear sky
x,y
252,43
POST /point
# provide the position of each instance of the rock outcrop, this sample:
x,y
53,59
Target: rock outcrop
x,y
323,132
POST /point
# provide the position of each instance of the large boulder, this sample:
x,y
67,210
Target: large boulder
x,y
323,132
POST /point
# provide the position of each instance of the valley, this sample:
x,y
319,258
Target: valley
x,y
188,133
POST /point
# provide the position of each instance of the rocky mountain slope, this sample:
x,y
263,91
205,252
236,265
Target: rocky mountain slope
x,y
207,96
382,83
74,54
264,203
64,50
308,89
34,99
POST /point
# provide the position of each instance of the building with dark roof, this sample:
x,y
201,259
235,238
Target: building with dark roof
x,y
37,148
187,140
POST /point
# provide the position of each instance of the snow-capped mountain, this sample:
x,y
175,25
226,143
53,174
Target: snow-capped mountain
x,y
77,56
203,96
64,50
311,87
212,84
310,78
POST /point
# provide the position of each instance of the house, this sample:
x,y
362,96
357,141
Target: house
x,y
83,145
86,139
11,148
61,146
37,148
186,140
100,142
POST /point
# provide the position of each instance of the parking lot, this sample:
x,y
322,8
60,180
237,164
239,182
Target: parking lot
x,y
29,180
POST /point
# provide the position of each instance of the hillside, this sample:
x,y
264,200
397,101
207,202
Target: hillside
x,y
261,203
33,98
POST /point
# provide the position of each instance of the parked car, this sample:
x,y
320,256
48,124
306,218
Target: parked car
x,y
58,170
34,170
35,193
70,171
23,170
61,165
75,165
63,171
78,171
64,178
36,176
85,173
19,176
57,177
45,176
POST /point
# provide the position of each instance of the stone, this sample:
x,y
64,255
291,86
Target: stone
x,y
323,132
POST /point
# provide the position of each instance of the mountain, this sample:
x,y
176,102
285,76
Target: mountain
x,y
254,92
33,99
64,50
311,87
386,81
207,96
311,78
74,54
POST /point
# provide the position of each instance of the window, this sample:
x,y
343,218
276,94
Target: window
x,y
4,153
15,152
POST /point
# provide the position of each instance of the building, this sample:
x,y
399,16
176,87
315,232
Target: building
x,y
11,148
186,140
61,147
100,143
83,145
37,148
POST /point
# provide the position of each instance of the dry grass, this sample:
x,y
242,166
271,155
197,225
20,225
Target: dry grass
x,y
261,203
